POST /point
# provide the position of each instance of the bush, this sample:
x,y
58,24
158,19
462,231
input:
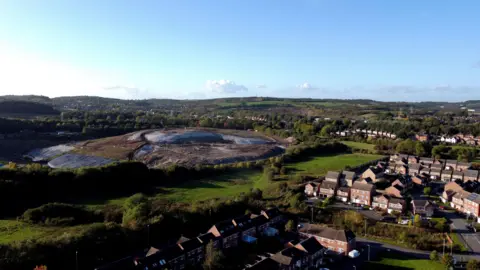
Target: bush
x,y
434,255
60,214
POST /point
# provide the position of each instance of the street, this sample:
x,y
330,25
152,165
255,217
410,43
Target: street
x,y
459,225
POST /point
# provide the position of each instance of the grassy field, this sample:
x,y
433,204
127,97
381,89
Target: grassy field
x,y
359,145
320,165
393,260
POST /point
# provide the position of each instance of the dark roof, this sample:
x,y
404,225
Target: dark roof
x,y
362,186
244,222
226,227
434,170
182,239
311,245
272,212
426,159
206,238
190,244
451,161
344,189
397,200
259,220
126,263
167,254
444,172
471,173
329,233
333,175
457,173
474,197
464,164
328,185
285,256
349,175
420,203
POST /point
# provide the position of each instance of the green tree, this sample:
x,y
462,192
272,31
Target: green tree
x,y
427,190
326,130
447,260
473,265
434,255
213,258
420,149
417,220
290,226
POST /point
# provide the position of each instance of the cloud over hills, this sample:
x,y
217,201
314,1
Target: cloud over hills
x,y
225,86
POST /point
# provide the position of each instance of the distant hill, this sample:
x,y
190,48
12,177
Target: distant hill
x,y
25,107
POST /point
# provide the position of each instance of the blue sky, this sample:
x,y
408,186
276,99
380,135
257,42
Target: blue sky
x,y
385,50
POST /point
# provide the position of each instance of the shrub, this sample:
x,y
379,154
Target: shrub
x,y
434,255
60,214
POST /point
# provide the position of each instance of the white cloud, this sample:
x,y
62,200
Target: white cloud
x,y
262,86
224,86
306,86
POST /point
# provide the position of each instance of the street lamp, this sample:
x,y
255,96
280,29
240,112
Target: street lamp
x,y
368,252
76,259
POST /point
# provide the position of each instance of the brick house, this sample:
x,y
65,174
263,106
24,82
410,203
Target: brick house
x,y
435,174
457,200
194,251
419,180
209,237
314,251
426,161
260,222
446,176
456,175
395,191
471,205
343,193
273,215
439,162
341,241
327,189
373,173
447,196
470,175
391,168
396,205
348,177
414,169
463,166
290,258
228,232
422,137
452,186
451,164
381,201
362,193
422,208
311,189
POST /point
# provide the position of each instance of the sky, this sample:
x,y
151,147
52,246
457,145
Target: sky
x,y
406,50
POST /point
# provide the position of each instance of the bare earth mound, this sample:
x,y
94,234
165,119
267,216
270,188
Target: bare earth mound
x,y
188,147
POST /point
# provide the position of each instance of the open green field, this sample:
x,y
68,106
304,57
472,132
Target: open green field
x,y
321,165
393,260
359,145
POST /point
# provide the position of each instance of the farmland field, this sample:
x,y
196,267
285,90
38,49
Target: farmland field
x,y
359,145
319,166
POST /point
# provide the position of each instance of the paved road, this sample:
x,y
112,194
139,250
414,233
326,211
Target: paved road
x,y
459,225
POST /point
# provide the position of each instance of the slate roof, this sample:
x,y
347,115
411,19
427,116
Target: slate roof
x,y
328,233
471,173
436,166
332,175
474,197
466,164
206,238
166,254
349,175
244,222
286,256
272,212
328,185
190,245
435,171
126,263
397,200
226,228
311,245
362,186
415,166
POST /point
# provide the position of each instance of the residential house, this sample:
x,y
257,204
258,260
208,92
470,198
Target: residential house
x,y
333,177
273,215
470,175
439,162
420,179
311,189
456,175
172,257
391,168
436,166
208,237
451,164
373,173
194,251
343,193
452,186
247,228
401,169
341,241
413,160
261,223
327,189
471,205
414,169
362,193
395,191
290,258
426,161
446,175
228,232
348,177
470,141
396,205
381,201
422,137
457,200
314,251
435,174
463,166
422,207
404,182
447,196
